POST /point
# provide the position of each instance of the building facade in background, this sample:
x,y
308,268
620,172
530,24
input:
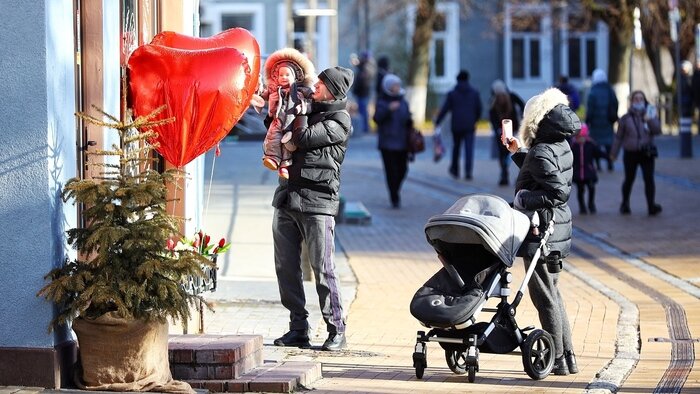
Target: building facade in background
x,y
60,57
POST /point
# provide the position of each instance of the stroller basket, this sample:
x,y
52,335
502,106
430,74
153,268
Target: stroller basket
x,y
452,297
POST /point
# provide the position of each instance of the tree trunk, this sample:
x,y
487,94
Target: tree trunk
x,y
654,56
418,70
620,54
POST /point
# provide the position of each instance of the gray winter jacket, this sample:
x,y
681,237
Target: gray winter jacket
x,y
314,176
633,132
546,168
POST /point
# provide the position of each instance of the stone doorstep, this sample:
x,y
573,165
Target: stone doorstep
x,y
271,377
213,357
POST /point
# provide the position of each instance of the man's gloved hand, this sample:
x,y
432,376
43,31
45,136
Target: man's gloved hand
x,y
300,109
518,200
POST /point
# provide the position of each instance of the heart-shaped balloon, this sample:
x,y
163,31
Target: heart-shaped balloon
x,y
206,91
238,38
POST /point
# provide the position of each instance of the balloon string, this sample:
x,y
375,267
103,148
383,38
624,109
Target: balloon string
x,y
211,180
175,196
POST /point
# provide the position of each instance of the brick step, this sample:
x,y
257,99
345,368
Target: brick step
x,y
271,377
213,357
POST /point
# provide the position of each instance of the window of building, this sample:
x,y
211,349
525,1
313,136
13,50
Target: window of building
x,y
527,49
525,42
581,52
217,17
229,21
444,45
438,46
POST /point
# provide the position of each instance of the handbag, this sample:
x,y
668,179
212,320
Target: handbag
x,y
438,147
416,141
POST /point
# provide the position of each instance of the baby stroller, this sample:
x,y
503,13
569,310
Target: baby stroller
x,y
477,240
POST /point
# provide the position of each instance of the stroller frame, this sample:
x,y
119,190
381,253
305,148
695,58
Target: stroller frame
x,y
463,342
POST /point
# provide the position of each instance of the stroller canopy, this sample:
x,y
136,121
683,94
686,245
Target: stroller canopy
x,y
481,219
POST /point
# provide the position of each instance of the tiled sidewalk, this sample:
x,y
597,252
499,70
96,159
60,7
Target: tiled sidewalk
x,y
390,260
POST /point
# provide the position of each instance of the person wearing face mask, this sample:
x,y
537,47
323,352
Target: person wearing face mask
x,y
635,135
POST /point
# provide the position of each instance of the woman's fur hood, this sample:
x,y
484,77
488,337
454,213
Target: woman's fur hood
x,y
303,68
552,105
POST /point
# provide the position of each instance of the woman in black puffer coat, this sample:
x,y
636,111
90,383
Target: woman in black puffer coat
x,y
543,186
393,118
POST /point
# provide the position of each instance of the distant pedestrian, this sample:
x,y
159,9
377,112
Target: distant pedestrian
x,y
393,118
695,89
383,68
635,135
601,113
544,185
570,91
585,151
502,107
464,102
516,100
362,88
686,87
305,207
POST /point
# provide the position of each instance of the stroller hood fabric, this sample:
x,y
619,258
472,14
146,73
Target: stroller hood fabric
x,y
481,219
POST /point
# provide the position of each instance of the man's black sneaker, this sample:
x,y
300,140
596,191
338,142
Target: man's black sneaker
x,y
335,341
294,338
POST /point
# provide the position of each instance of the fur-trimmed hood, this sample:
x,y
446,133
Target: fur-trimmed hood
x,y
547,117
303,68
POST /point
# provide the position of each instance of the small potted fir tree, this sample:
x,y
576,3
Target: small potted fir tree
x,y
127,280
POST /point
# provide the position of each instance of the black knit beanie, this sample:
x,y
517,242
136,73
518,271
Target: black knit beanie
x,y
337,80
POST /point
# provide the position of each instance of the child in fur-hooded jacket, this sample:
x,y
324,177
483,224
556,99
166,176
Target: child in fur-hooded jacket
x,y
290,77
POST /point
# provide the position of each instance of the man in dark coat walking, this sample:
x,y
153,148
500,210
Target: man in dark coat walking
x,y
465,104
362,88
305,206
543,186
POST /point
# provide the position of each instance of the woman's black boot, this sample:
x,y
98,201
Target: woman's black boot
x,y
625,208
560,367
571,361
654,209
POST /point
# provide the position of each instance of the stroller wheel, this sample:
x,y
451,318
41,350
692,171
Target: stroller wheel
x,y
456,360
538,354
420,361
472,374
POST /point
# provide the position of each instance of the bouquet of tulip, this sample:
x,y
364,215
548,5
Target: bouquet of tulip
x,y
200,244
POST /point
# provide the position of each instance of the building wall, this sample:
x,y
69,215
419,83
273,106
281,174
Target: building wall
x,y
481,53
38,154
37,151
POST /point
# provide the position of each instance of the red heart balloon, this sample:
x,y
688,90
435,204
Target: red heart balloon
x,y
238,38
206,91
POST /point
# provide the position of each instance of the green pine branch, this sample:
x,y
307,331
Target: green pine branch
x,y
124,265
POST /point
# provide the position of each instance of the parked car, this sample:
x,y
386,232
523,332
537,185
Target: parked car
x,y
250,126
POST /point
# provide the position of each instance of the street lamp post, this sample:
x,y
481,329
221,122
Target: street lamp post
x,y
684,121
